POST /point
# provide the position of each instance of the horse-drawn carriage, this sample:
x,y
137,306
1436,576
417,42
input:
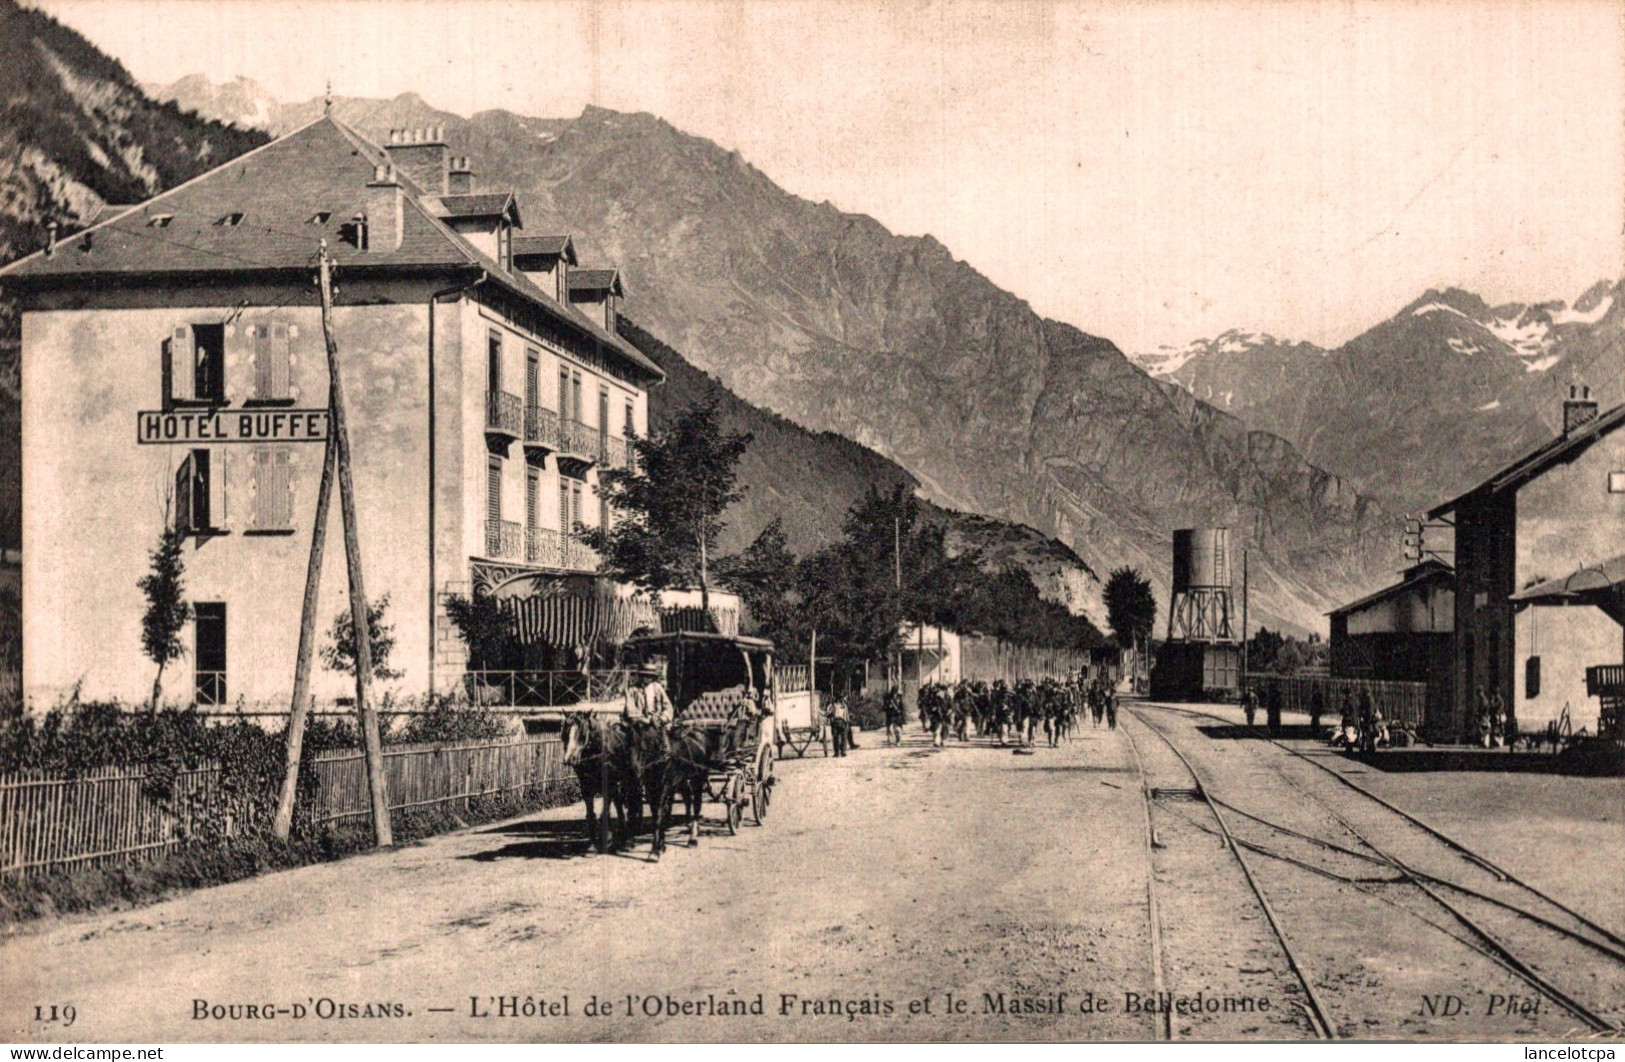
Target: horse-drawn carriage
x,y
722,685
716,742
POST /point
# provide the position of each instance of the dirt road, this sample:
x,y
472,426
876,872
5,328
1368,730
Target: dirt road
x,y
881,884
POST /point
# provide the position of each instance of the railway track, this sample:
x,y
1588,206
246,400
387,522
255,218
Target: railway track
x,y
1551,968
1266,955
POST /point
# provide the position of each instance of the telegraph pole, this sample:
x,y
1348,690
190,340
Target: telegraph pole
x,y
1244,619
372,747
295,736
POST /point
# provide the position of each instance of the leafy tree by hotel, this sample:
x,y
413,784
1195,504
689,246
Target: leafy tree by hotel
x,y
167,609
339,652
668,503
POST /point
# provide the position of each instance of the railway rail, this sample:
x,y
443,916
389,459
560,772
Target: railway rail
x,y
1409,867
1313,1010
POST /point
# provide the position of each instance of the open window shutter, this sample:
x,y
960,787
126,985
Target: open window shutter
x,y
183,494
182,367
281,377
220,489
260,362
239,359
296,468
252,495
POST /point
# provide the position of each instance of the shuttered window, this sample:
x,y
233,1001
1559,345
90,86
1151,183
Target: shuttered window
x,y
195,493
630,428
493,488
272,487
533,488
273,363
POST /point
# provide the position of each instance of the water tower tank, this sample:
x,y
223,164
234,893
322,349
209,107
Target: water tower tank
x,y
1202,558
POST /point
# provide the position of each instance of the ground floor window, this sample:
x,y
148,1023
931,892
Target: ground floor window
x,y
209,630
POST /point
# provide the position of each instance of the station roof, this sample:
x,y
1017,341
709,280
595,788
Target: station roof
x,y
1560,451
1421,575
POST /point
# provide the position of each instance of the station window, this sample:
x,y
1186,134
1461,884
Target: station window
x,y
195,364
209,633
193,492
272,486
273,363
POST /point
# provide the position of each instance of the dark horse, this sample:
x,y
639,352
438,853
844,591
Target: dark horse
x,y
680,758
596,747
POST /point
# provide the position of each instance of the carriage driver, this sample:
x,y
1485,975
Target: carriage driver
x,y
649,702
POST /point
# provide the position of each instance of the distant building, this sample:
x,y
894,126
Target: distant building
x,y
1550,513
1401,633
173,369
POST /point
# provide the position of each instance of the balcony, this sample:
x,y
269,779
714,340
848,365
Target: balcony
x,y
503,538
554,549
615,452
1606,680
577,440
541,429
504,415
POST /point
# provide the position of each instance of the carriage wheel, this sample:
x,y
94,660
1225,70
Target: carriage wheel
x,y
731,799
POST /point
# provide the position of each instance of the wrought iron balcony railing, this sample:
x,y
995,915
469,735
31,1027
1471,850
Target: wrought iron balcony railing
x,y
577,439
541,428
503,538
614,452
553,549
504,414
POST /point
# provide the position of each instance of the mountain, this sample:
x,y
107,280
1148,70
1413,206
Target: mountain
x,y
76,133
813,507
1425,404
839,325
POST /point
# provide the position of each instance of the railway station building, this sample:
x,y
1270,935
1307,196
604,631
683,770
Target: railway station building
x,y
1552,513
174,372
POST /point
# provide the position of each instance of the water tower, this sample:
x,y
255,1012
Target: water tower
x,y
1201,608
1201,658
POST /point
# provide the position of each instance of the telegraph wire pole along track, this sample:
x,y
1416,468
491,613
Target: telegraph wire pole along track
x,y
1356,877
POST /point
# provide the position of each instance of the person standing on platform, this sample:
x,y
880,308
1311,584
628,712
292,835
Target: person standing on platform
x,y
1249,705
839,725
1273,711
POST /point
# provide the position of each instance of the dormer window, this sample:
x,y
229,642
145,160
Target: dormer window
x,y
319,218
160,221
231,220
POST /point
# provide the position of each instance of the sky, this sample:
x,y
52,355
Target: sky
x,y
1152,172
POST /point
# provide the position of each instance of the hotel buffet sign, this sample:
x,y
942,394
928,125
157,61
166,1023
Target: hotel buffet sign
x,y
231,426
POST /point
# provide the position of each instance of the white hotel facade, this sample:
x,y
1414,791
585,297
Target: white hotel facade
x,y
174,369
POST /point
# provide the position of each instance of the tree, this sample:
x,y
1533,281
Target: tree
x,y
339,652
764,576
669,502
167,609
487,631
1131,608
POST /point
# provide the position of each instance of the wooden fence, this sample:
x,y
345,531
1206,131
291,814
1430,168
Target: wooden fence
x,y
106,815
1403,702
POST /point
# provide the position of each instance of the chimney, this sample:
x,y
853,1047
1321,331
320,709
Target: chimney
x,y
461,179
1578,409
50,238
383,217
421,155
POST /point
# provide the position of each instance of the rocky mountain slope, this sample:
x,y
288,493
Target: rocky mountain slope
x,y
839,325
1425,404
813,506
76,134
